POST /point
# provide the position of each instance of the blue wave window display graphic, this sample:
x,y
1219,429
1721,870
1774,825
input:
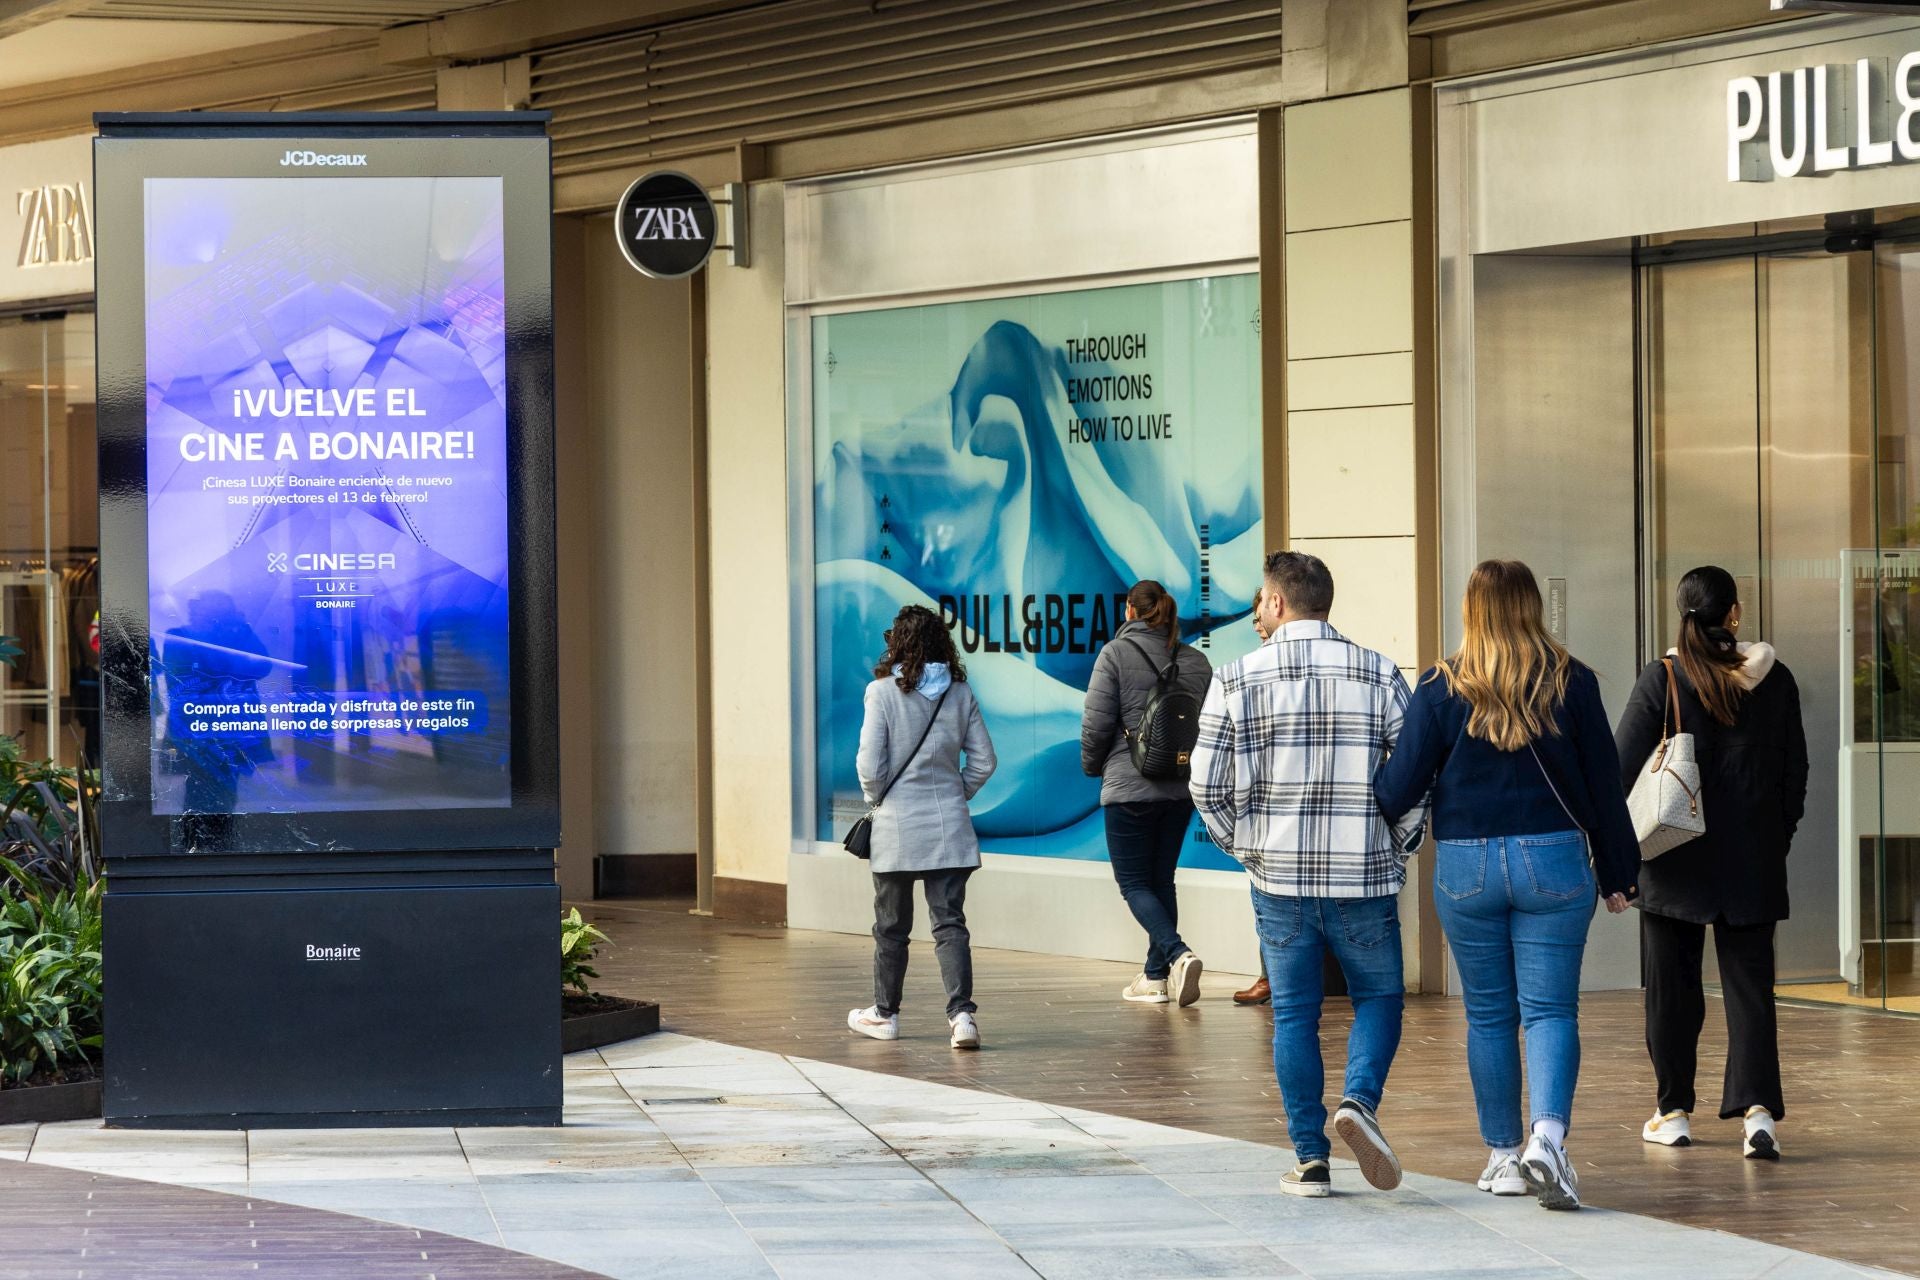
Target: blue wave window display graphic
x,y
327,494
1016,464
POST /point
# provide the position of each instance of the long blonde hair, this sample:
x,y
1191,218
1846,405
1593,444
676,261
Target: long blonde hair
x,y
1511,671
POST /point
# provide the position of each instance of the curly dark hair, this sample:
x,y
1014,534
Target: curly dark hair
x,y
916,638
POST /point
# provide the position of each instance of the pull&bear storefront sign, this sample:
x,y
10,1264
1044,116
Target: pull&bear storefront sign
x,y
1823,119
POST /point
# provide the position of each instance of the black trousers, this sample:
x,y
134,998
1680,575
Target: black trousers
x,y
1677,1008
1144,840
893,925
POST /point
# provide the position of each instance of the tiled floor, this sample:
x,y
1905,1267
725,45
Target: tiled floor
x,y
1057,1032
685,1157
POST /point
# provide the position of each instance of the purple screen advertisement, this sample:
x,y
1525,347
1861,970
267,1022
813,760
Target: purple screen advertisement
x,y
327,494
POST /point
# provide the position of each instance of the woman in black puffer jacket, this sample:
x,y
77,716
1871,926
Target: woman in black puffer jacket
x,y
1742,707
1147,818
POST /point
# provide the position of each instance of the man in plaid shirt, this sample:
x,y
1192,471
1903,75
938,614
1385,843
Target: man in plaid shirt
x,y
1283,777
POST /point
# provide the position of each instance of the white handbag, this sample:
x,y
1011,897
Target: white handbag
x,y
1665,801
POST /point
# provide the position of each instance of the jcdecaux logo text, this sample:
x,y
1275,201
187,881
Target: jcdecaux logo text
x,y
316,159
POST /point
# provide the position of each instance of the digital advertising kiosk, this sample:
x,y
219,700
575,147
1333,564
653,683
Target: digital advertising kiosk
x,y
327,637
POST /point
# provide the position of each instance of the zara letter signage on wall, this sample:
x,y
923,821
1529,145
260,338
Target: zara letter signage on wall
x,y
46,220
666,224
1823,119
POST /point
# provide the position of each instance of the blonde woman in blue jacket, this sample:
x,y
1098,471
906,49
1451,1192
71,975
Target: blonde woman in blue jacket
x,y
1530,829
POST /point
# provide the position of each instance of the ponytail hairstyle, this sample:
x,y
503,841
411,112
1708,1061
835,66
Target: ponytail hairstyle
x,y
1707,651
916,638
1152,605
1509,668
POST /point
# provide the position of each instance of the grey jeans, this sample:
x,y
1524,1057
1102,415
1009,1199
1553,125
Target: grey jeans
x,y
893,924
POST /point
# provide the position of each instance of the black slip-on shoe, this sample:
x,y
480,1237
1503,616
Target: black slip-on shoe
x,y
1360,1130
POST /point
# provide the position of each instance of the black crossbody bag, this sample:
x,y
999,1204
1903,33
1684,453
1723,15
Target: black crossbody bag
x,y
859,841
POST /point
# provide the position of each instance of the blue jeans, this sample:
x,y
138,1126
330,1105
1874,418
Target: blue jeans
x,y
1516,911
1144,840
1364,934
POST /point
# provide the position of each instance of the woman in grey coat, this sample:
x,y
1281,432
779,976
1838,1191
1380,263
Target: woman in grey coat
x,y
1147,818
922,830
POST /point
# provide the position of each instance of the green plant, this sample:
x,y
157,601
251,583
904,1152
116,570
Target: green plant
x,y
49,815
46,814
578,941
50,982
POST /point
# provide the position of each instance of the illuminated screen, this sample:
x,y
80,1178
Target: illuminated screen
x,y
327,494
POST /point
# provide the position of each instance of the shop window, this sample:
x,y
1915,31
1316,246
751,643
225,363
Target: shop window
x,y
49,538
1016,464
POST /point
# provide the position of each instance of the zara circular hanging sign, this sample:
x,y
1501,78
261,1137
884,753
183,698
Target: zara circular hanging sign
x,y
666,225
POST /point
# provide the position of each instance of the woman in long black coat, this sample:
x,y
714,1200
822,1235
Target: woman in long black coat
x,y
1743,708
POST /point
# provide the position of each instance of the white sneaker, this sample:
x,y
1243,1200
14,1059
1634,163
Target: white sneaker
x,y
1674,1129
966,1032
1184,985
1502,1176
1549,1174
1762,1142
1145,990
872,1023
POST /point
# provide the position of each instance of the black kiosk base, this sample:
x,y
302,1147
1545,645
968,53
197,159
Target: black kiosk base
x,y
381,998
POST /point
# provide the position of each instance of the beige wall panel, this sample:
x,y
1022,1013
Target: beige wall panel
x,y
1349,382
1303,74
1367,44
1350,473
481,87
574,471
1305,25
747,495
639,399
1409,899
1350,291
1373,584
1088,211
1348,161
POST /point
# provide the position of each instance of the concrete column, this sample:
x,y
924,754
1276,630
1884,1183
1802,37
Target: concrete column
x,y
752,712
1351,460
626,550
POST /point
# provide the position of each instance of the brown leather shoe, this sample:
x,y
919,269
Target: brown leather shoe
x,y
1258,993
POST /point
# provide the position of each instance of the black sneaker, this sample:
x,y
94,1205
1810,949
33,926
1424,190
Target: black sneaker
x,y
1359,1129
1312,1179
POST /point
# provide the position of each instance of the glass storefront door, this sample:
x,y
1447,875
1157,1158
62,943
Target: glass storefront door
x,y
1886,611
49,537
1778,413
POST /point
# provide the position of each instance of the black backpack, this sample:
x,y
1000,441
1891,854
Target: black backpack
x,y
1162,743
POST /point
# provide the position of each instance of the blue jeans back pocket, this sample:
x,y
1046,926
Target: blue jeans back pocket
x,y
1557,864
1460,867
1368,921
1276,919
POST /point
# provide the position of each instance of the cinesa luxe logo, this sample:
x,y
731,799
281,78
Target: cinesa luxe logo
x,y
331,561
313,159
318,954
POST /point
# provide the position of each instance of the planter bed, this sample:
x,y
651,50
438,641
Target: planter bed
x,y
588,1022
73,1095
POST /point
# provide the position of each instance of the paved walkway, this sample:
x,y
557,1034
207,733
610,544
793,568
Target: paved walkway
x,y
1056,1031
686,1157
72,1225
